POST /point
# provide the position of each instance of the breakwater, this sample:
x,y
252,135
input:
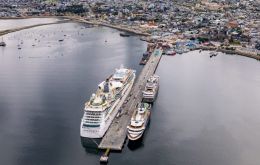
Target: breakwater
x,y
100,23
4,32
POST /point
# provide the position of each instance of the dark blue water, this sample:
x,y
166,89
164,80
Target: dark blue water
x,y
207,110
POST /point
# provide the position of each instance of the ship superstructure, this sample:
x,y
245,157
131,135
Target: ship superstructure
x,y
151,89
139,121
103,105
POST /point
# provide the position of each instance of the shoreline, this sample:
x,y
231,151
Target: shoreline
x,y
119,27
233,52
70,18
4,32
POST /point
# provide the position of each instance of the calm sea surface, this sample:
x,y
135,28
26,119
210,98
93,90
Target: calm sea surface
x,y
207,110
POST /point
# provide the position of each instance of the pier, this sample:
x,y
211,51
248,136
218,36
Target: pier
x,y
116,134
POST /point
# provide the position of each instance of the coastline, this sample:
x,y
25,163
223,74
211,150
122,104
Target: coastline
x,y
4,32
118,27
233,52
70,18
99,23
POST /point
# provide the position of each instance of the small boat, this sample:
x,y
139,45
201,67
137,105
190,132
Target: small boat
x,y
2,43
211,54
61,40
104,157
179,51
145,58
143,61
143,38
170,53
124,35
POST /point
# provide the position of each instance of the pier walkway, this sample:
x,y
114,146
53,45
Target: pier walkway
x,y
116,134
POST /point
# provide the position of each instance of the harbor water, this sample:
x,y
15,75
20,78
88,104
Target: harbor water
x,y
206,112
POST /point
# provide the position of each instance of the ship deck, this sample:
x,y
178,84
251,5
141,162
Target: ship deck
x,y
116,134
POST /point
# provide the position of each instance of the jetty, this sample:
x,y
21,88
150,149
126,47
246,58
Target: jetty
x,y
124,28
116,134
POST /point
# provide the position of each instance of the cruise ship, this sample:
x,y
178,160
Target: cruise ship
x,y
139,121
151,89
103,105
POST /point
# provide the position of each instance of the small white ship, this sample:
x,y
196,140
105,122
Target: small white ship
x,y
139,121
103,106
151,89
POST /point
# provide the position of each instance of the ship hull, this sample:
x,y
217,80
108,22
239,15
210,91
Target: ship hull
x,y
90,142
148,100
135,138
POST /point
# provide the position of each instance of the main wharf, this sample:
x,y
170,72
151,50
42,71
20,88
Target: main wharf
x,y
116,134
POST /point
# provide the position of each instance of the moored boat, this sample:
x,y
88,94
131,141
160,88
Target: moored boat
x,y
151,89
211,54
170,53
145,58
124,35
2,43
139,121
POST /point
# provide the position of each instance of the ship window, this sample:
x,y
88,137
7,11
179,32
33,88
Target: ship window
x,y
88,125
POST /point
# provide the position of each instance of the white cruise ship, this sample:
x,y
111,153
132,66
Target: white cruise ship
x,y
103,106
151,89
139,121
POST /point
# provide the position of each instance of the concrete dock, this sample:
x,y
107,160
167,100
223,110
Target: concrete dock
x,y
116,134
